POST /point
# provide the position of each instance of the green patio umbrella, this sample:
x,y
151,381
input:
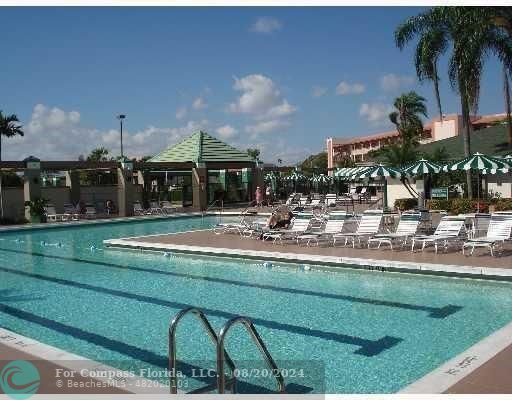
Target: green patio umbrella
x,y
348,173
478,162
422,168
383,172
296,176
272,177
321,180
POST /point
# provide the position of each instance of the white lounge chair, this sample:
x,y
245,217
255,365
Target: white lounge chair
x,y
333,225
330,199
499,230
70,213
90,211
51,213
407,227
137,209
298,227
368,226
155,208
448,230
167,207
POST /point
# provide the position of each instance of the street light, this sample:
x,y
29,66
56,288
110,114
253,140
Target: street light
x,y
121,118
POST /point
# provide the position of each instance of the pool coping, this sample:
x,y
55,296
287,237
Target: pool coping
x,y
454,370
99,221
449,270
68,360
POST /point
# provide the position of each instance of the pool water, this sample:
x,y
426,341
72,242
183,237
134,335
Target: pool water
x,y
349,331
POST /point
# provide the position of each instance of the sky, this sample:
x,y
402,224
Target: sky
x,y
281,79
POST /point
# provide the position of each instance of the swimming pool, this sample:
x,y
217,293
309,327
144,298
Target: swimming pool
x,y
368,332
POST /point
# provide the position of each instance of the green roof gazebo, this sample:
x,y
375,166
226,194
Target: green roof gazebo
x,y
204,152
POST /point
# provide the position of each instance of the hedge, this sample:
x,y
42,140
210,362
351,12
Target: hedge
x,y
464,206
406,204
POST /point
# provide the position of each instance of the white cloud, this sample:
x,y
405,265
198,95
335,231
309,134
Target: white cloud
x,y
181,112
318,91
266,127
345,88
56,134
393,82
260,98
226,131
199,103
266,25
375,113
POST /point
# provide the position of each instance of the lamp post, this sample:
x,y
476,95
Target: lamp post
x,y
121,118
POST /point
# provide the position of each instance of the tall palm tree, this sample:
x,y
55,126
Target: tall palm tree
x,y
407,116
9,127
473,35
431,45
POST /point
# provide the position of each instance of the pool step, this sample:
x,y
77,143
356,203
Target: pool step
x,y
224,381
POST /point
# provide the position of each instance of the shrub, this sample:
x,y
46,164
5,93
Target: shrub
x,y
406,204
503,205
463,206
439,204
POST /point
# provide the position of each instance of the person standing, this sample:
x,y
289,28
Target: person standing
x,y
268,195
259,197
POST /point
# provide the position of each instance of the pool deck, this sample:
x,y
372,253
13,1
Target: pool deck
x,y
480,265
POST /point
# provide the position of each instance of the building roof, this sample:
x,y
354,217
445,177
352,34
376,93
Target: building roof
x,y
201,147
489,141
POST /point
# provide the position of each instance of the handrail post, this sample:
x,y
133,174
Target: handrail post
x,y
247,323
172,344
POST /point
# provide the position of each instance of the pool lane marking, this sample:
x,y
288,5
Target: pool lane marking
x,y
433,312
367,347
126,349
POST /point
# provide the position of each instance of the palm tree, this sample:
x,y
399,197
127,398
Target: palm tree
x,y
407,116
431,46
9,128
473,35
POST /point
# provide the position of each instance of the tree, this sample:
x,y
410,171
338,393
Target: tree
x,y
93,177
9,127
317,162
99,154
407,116
473,35
254,153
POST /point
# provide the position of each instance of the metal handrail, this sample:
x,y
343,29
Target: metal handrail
x,y
221,353
172,345
211,206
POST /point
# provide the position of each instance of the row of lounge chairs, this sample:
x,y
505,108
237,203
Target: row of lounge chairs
x,y
155,208
70,213
308,228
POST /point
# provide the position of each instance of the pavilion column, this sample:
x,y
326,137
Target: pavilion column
x,y
200,187
125,191
32,182
73,183
259,179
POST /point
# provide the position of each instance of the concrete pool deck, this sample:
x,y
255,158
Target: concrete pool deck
x,y
206,242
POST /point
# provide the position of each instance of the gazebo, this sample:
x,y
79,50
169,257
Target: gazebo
x,y
219,171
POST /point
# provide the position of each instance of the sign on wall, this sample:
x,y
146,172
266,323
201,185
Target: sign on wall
x,y
439,193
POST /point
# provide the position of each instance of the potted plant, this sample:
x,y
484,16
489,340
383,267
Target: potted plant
x,y
37,210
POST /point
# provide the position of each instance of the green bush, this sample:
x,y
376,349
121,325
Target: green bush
x,y
459,206
503,205
406,204
439,204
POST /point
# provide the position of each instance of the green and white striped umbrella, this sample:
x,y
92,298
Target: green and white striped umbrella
x,y
321,179
422,167
348,173
272,176
296,176
380,171
477,161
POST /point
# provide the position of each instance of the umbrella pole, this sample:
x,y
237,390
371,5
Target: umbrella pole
x,y
385,195
478,191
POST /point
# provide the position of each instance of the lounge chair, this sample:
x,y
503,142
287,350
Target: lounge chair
x,y
330,199
368,226
238,228
155,208
448,230
51,213
407,227
315,203
333,225
499,230
298,227
167,207
90,211
138,210
70,213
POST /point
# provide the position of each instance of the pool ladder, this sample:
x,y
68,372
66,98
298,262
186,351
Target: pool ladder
x,y
222,384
